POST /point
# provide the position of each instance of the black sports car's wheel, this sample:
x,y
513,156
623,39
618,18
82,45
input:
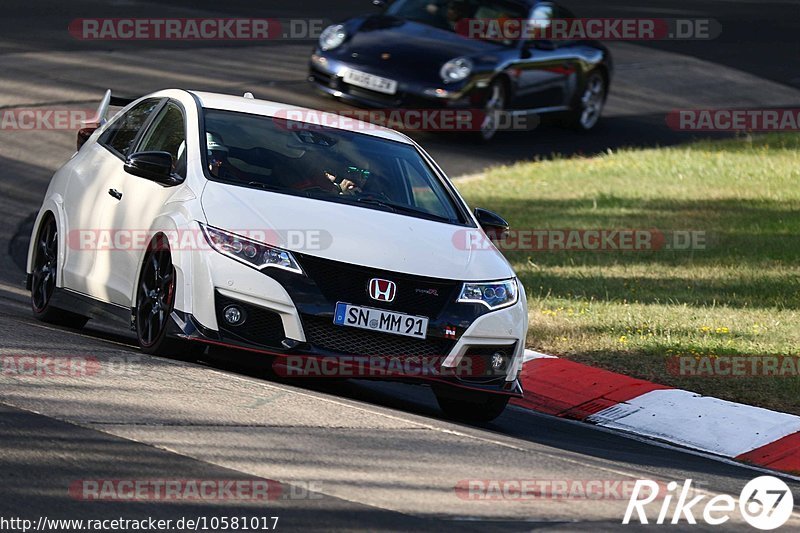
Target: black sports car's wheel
x,y
155,300
470,406
589,107
43,286
493,108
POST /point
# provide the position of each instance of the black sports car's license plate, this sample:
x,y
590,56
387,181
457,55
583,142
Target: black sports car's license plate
x,y
370,81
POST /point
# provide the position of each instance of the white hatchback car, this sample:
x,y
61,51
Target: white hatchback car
x,y
204,219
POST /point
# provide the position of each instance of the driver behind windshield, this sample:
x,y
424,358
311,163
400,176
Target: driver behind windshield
x,y
453,12
218,163
344,185
316,170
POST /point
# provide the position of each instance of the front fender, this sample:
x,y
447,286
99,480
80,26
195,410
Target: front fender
x,y
181,234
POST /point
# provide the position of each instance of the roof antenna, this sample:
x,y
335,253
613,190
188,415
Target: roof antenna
x,y
248,95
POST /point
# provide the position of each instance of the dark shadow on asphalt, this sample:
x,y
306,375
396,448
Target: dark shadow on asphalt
x,y
516,422
553,432
38,482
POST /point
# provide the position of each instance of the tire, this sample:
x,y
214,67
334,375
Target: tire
x,y
470,406
496,99
589,106
44,273
155,301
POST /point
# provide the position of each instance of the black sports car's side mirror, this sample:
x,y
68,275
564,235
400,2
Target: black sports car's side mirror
x,y
153,166
494,225
379,3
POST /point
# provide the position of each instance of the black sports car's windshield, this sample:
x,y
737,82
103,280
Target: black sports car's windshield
x,y
454,15
329,164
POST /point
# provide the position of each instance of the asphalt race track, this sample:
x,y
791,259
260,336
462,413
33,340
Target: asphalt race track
x,y
351,455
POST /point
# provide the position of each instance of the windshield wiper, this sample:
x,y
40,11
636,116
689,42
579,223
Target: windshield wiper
x,y
371,200
258,184
395,207
265,186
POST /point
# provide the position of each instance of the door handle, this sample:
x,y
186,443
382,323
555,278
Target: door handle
x,y
115,193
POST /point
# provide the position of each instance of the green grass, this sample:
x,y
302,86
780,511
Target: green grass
x,y
630,311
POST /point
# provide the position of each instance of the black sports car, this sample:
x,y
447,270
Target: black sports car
x,y
417,54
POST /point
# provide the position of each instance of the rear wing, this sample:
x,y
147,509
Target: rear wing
x,y
100,117
120,101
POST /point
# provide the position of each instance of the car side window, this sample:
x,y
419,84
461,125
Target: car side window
x,y
167,133
424,195
121,135
540,21
540,27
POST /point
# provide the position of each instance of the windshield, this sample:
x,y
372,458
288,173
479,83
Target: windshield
x,y
454,15
326,164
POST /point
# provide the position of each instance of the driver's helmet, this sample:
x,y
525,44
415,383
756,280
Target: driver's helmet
x,y
216,150
217,153
456,10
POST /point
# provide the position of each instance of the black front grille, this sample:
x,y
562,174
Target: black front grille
x,y
341,282
261,326
322,333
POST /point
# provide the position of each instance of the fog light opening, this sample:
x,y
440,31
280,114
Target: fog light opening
x,y
498,361
233,315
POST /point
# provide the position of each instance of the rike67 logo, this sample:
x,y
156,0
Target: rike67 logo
x,y
766,503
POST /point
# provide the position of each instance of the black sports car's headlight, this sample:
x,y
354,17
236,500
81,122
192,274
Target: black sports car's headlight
x,y
494,295
456,70
332,37
255,254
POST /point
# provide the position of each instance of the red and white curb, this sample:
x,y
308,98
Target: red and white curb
x,y
742,432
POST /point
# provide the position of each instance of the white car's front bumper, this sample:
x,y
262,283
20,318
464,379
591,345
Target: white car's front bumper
x,y
284,295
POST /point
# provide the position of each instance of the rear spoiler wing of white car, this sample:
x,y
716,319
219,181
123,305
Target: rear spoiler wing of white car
x,y
100,117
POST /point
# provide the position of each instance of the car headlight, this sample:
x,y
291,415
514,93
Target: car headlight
x,y
456,69
255,254
332,37
494,295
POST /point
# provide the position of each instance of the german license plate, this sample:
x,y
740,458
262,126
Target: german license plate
x,y
356,316
370,81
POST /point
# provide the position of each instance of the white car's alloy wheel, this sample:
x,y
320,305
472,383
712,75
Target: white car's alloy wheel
x,y
45,266
155,297
43,278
